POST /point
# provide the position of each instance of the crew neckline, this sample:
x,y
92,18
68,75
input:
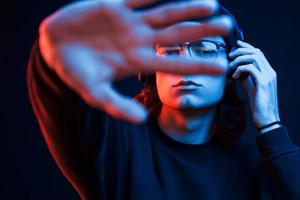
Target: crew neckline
x,y
189,150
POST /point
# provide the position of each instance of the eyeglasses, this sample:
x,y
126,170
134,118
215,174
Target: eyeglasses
x,y
206,49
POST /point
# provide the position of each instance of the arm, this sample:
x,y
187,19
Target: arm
x,y
281,161
90,44
280,157
84,47
61,121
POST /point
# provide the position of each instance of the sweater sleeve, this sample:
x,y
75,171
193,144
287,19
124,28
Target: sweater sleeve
x,y
281,162
61,116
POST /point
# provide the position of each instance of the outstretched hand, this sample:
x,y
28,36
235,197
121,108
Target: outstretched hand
x,y
90,44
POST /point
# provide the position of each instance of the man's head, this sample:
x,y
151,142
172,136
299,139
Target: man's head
x,y
192,91
212,87
208,90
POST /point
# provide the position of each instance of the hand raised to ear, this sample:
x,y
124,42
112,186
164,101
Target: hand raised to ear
x,y
260,85
90,44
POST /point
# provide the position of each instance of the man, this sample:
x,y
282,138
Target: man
x,y
82,49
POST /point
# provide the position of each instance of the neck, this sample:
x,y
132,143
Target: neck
x,y
191,126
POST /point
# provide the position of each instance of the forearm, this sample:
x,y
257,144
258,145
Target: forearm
x,y
61,119
281,160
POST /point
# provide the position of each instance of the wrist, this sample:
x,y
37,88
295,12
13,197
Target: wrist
x,y
270,125
266,120
264,130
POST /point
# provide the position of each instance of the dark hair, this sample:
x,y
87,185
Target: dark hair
x,y
230,118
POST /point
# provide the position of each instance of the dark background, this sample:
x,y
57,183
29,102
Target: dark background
x,y
27,171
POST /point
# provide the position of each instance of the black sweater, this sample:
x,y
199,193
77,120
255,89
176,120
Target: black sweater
x,y
106,158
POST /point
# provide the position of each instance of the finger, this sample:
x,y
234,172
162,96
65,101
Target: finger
x,y
244,44
84,74
183,32
141,3
245,59
180,66
104,97
150,63
176,12
240,52
248,83
250,69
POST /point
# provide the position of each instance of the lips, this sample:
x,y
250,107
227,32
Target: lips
x,y
186,83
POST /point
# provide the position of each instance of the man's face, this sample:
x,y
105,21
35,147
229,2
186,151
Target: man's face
x,y
196,91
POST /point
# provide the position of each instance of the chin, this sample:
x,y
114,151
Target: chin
x,y
199,105
189,102
188,106
192,102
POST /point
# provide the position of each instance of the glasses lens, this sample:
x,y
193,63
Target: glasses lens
x,y
173,50
204,49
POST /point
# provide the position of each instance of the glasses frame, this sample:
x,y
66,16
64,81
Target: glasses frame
x,y
187,45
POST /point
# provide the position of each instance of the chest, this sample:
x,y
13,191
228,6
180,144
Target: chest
x,y
144,169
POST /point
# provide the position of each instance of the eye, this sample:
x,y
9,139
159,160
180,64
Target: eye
x,y
204,48
168,50
203,51
172,52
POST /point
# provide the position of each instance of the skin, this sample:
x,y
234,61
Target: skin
x,y
260,85
187,116
90,44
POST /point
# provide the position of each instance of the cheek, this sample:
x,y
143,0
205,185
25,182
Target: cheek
x,y
164,83
214,88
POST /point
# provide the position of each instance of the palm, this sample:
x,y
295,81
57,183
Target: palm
x,y
91,44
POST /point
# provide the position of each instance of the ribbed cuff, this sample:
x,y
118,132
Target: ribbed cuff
x,y
275,142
